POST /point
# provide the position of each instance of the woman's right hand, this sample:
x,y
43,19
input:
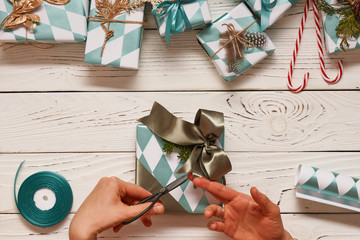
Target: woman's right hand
x,y
245,217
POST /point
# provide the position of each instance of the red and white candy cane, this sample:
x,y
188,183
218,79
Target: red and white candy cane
x,y
320,51
295,52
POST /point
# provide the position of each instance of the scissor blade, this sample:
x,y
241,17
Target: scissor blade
x,y
176,183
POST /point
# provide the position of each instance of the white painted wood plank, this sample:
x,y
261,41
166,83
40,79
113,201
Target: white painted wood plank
x,y
255,121
272,173
180,226
183,66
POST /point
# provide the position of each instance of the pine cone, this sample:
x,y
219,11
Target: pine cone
x,y
355,4
258,39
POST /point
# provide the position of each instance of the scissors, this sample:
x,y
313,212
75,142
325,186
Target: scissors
x,y
156,196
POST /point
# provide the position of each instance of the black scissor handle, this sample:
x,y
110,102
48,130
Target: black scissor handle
x,y
154,197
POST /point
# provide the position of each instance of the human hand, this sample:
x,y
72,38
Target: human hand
x,y
107,206
244,217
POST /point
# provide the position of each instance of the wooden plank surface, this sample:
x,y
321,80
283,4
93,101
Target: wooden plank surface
x,y
183,66
180,226
59,114
255,121
272,173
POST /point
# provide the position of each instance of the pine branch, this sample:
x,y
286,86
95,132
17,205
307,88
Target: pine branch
x,y
184,151
348,27
327,8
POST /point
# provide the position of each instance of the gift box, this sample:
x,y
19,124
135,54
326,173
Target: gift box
x,y
153,162
332,40
173,17
201,153
58,23
269,11
235,42
122,49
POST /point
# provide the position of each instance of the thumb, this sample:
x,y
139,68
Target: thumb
x,y
266,205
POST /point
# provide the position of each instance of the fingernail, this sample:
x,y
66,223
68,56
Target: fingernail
x,y
212,226
207,213
158,208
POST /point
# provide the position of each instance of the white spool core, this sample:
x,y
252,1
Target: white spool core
x,y
44,199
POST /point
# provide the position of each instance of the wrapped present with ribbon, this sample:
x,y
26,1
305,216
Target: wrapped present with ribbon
x,y
341,24
235,42
327,187
43,20
114,33
269,11
177,16
158,140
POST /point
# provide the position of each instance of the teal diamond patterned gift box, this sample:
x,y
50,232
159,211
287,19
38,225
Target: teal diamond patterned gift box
x,y
153,162
58,23
332,41
240,18
174,17
269,11
323,186
122,50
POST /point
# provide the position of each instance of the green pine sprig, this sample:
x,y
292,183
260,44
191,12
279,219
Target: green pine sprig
x,y
348,26
184,151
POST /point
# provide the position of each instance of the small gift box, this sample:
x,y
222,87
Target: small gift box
x,y
176,16
115,39
269,11
235,42
156,167
333,41
43,21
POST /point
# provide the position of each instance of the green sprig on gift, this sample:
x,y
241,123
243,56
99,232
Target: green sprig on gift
x,y
184,151
349,25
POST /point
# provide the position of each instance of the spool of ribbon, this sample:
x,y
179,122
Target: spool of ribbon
x,y
328,187
177,18
50,182
235,38
21,15
107,10
206,159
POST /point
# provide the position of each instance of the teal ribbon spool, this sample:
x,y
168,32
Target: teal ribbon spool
x,y
26,204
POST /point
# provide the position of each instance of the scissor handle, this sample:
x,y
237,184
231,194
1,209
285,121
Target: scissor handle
x,y
154,197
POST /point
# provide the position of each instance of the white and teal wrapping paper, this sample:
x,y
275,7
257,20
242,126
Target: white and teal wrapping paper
x,y
209,38
58,23
269,11
123,49
328,187
197,14
332,41
150,154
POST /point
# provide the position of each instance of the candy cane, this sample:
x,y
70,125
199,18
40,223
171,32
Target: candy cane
x,y
293,60
320,50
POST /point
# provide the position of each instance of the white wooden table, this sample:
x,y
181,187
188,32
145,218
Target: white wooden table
x,y
60,114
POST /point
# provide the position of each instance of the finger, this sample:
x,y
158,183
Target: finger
x,y
157,209
219,191
266,205
146,220
213,210
131,190
134,210
218,226
117,228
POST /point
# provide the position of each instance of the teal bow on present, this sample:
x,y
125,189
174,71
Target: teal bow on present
x,y
266,8
177,18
